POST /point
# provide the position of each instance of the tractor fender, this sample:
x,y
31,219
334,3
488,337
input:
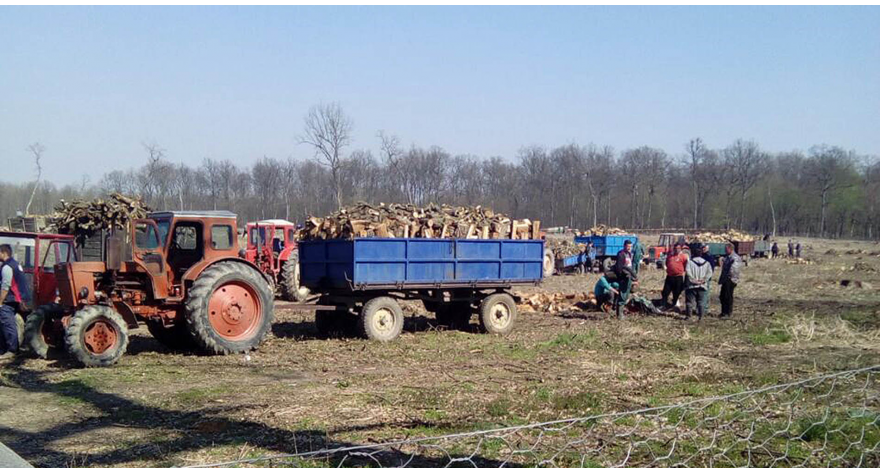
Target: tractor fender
x,y
127,313
193,273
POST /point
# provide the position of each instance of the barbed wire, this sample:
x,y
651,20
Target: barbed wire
x,y
830,420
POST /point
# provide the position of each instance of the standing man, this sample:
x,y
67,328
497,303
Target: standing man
x,y
797,250
675,264
626,277
790,249
638,252
729,279
775,250
14,295
698,272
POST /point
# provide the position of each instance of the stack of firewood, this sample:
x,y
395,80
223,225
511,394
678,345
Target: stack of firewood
x,y
557,302
85,217
409,221
603,229
728,236
564,248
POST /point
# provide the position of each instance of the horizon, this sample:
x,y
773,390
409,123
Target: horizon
x,y
93,84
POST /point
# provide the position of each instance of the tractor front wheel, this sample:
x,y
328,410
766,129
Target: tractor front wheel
x,y
97,336
289,281
229,308
39,327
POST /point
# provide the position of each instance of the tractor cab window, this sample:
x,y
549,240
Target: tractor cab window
x,y
258,236
221,237
164,225
291,235
22,250
186,247
145,236
278,241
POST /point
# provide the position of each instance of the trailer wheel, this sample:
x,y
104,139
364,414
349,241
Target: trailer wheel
x,y
174,337
97,336
455,315
38,335
229,308
289,281
381,319
549,262
498,313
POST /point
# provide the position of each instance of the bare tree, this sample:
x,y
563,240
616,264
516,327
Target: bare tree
x,y
828,169
746,161
328,130
36,150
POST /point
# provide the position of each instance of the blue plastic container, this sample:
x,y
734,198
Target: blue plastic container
x,y
607,245
373,263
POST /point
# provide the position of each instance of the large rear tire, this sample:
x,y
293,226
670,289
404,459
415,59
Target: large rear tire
x,y
289,281
97,336
174,337
229,308
498,314
38,335
381,319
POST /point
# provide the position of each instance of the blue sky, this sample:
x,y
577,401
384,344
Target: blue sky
x,y
92,84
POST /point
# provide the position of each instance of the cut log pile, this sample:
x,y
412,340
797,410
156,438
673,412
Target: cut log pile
x,y
730,235
603,229
557,302
409,221
85,217
563,248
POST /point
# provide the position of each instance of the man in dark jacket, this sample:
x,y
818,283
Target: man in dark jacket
x,y
14,296
730,272
626,277
775,250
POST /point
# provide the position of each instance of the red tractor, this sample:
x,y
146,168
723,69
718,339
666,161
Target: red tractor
x,y
271,247
37,253
657,253
180,274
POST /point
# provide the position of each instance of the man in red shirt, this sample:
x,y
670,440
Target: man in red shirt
x,y
675,265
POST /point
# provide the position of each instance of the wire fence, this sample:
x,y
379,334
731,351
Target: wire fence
x,y
826,421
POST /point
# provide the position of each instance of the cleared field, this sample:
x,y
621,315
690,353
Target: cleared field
x,y
300,392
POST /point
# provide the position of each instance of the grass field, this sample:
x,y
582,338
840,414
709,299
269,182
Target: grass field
x,y
300,392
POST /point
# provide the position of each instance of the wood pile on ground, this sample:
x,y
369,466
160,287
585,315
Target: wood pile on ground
x,y
603,229
564,248
409,221
728,236
799,261
557,302
85,217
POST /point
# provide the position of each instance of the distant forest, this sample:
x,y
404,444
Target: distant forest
x,y
826,190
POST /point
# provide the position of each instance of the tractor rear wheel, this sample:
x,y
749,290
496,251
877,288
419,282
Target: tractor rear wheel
x,y
229,308
289,281
97,336
38,329
174,337
381,319
498,313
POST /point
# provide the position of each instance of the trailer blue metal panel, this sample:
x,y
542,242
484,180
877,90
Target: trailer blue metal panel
x,y
606,245
418,262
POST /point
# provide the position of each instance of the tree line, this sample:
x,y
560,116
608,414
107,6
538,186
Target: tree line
x,y
823,191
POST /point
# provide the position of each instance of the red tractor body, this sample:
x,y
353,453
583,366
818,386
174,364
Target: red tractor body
x,y
271,247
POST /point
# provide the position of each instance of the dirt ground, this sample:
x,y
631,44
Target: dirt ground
x,y
300,392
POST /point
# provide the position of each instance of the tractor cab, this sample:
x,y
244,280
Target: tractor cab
x,y
270,243
664,246
37,253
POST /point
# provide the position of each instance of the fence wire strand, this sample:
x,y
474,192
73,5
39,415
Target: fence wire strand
x,y
830,420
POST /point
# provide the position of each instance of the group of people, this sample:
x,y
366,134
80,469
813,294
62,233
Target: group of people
x,y
691,275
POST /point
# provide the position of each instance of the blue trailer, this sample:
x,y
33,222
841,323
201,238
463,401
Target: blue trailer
x,y
362,280
606,246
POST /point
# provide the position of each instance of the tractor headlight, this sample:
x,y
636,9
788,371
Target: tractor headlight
x,y
83,293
